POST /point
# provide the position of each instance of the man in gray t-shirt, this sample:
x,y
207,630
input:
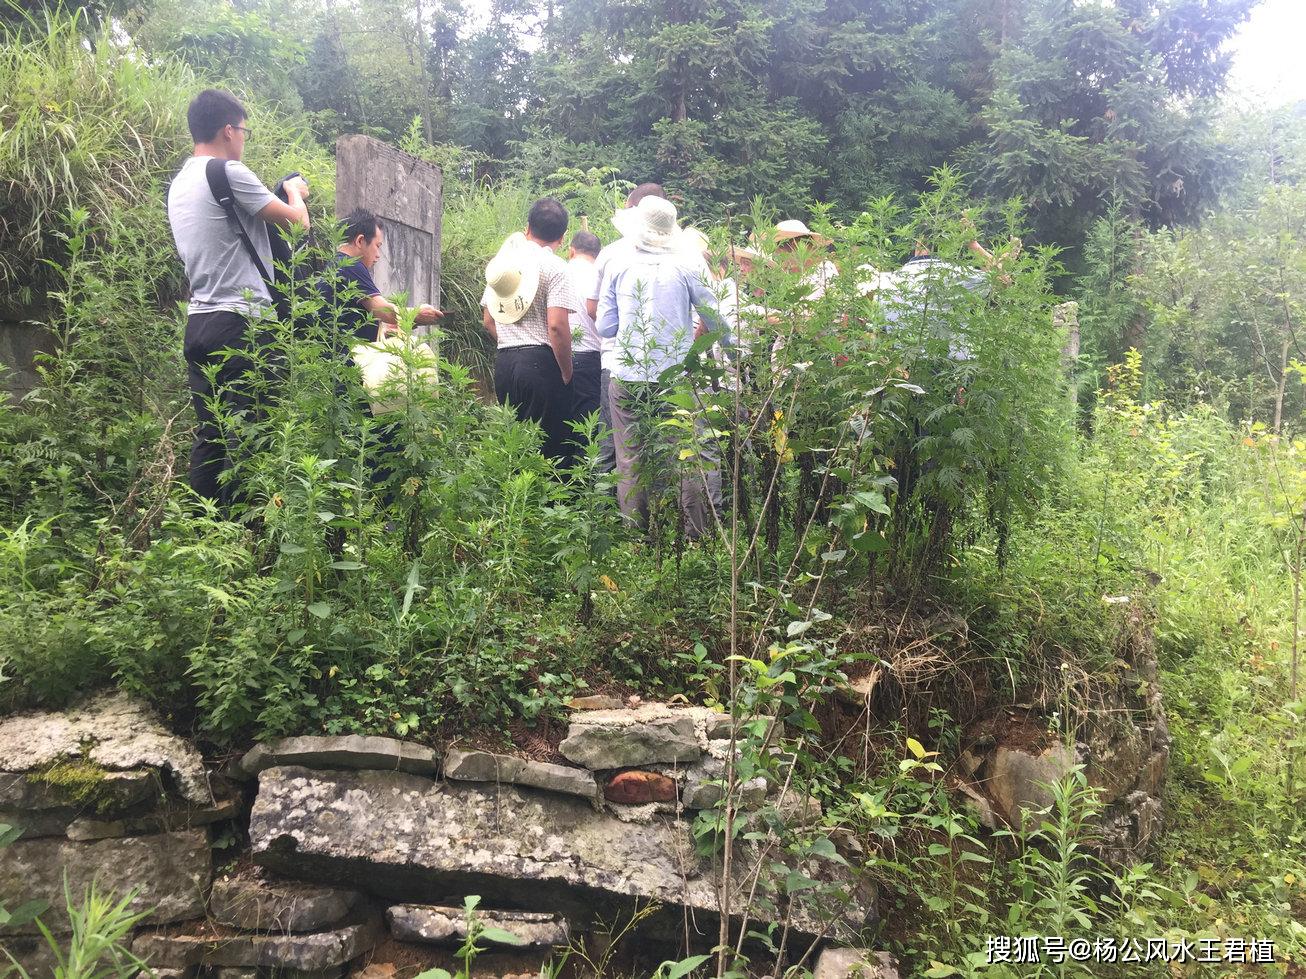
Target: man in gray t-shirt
x,y
227,290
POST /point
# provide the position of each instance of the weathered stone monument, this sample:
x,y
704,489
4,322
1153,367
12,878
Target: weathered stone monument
x,y
407,195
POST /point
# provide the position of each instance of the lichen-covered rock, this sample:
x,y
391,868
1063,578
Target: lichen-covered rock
x,y
638,788
653,733
170,872
259,904
111,730
855,963
343,751
405,835
448,926
312,952
482,766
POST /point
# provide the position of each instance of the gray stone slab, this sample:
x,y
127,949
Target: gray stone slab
x,y
407,195
653,733
112,730
344,751
161,952
482,766
169,870
109,792
259,904
402,835
447,926
165,820
312,952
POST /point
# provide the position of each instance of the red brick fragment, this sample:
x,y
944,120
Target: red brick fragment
x,y
638,787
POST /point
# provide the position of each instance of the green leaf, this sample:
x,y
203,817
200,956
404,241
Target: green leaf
x,y
319,609
916,748
798,628
348,565
678,970
938,970
492,934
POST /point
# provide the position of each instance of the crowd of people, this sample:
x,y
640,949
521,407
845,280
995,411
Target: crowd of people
x,y
595,332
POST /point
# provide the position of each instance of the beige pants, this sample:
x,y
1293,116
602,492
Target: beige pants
x,y
646,461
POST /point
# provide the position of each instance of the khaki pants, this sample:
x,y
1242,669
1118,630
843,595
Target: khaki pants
x,y
646,460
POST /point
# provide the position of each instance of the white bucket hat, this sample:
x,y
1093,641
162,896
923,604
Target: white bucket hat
x,y
794,228
511,280
650,224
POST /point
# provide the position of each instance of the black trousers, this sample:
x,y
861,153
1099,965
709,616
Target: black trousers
x,y
215,451
528,379
586,382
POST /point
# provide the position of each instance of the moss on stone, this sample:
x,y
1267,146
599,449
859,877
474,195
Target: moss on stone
x,y
84,784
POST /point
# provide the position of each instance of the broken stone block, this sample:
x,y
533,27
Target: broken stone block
x,y
707,793
855,963
161,953
163,820
401,834
111,730
448,926
1018,781
482,766
79,787
650,734
256,904
638,788
980,806
312,952
345,751
717,726
169,871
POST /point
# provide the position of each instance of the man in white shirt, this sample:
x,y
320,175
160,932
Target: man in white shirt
x,y
526,308
650,294
608,457
587,372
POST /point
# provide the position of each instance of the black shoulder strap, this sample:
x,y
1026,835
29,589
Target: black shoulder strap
x,y
215,171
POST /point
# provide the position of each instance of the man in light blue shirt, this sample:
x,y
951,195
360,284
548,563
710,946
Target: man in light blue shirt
x,y
648,301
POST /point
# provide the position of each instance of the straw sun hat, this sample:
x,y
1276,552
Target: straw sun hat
x,y
650,224
793,228
511,280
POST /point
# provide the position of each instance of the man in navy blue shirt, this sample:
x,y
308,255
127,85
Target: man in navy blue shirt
x,y
363,313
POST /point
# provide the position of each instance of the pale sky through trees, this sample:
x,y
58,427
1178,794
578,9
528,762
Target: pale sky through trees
x,y
1268,66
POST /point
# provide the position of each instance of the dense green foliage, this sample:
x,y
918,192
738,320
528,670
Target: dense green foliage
x,y
1060,103
883,475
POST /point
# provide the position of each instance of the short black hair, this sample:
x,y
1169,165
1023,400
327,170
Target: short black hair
x,y
210,111
586,242
547,220
645,190
361,222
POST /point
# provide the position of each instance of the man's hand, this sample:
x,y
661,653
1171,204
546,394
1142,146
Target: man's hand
x,y
426,313
299,185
